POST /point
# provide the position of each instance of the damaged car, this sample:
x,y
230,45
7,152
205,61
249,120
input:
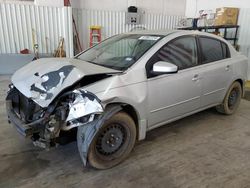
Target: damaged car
x,y
110,95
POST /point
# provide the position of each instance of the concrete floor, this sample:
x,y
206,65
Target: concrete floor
x,y
203,150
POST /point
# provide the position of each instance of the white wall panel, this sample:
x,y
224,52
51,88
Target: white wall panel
x,y
170,7
54,3
113,22
49,23
244,34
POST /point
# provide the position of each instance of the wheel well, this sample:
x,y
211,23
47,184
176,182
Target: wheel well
x,y
130,110
241,83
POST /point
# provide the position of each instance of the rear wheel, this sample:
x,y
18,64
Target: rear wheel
x,y
113,142
232,99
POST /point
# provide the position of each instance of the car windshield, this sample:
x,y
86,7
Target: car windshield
x,y
121,51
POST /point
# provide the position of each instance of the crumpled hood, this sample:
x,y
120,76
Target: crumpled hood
x,y
42,80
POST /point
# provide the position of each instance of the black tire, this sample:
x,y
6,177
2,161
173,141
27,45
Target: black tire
x,y
113,142
232,99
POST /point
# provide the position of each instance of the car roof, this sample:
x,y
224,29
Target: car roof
x,y
154,32
167,32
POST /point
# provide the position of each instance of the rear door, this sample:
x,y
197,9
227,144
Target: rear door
x,y
215,70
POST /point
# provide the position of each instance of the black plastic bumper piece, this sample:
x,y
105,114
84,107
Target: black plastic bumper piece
x,y
23,128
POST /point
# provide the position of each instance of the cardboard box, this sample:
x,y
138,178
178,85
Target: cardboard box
x,y
226,16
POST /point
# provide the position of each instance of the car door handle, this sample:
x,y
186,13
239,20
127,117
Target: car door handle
x,y
195,78
227,68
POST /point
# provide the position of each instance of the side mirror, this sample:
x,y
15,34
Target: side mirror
x,y
162,67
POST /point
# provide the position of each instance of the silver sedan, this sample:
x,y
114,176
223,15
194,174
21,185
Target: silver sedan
x,y
110,95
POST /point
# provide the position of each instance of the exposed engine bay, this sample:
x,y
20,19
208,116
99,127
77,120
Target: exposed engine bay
x,y
44,125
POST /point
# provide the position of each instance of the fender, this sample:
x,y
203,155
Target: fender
x,y
87,132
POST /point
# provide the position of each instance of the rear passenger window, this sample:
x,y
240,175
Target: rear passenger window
x,y
212,50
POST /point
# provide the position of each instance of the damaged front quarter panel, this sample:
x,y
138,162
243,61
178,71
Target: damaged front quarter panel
x,y
83,109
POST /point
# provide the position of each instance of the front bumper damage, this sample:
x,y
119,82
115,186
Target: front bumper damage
x,y
77,108
43,125
25,129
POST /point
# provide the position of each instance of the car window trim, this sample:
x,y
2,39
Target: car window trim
x,y
172,40
228,55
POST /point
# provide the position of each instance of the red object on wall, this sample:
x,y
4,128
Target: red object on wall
x,y
25,51
67,3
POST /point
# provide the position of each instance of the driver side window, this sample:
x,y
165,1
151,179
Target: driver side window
x,y
181,51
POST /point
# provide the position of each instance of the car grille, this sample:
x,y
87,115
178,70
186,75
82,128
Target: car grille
x,y
23,106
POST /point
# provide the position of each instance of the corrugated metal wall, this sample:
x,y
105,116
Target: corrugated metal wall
x,y
49,24
113,22
244,34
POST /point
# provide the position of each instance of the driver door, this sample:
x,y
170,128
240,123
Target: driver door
x,y
173,95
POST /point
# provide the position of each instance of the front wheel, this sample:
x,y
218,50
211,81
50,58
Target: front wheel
x,y
113,142
232,99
